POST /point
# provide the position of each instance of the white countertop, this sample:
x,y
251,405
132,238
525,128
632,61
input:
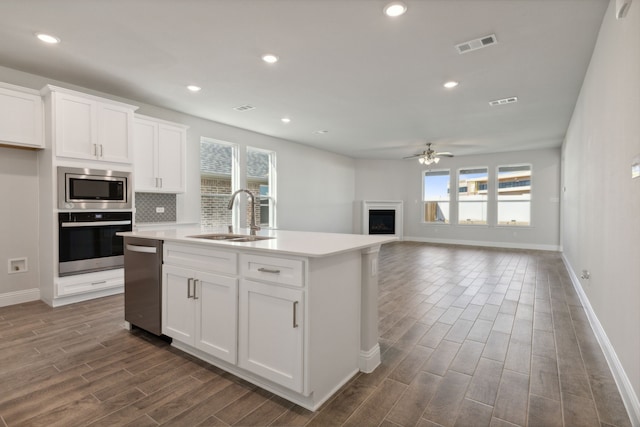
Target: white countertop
x,y
301,243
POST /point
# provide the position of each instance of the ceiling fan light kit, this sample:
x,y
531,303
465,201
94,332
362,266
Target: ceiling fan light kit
x,y
429,156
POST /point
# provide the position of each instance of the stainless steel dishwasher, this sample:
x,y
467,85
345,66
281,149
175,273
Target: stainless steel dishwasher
x,y
143,283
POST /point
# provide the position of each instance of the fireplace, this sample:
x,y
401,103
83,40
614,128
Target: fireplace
x,y
382,221
382,217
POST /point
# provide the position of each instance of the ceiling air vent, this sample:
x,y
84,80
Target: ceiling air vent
x,y
476,44
245,107
503,101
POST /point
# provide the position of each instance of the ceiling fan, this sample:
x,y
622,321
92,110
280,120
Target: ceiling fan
x,y
429,156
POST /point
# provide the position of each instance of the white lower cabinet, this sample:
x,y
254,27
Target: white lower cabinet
x,y
271,324
200,310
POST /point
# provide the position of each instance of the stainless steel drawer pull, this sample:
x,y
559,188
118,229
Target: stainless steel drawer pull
x,y
102,282
268,270
195,288
189,281
295,312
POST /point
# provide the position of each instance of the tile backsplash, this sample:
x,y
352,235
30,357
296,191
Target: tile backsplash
x,y
146,204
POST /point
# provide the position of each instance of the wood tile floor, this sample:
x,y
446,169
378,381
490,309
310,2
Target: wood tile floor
x,y
470,337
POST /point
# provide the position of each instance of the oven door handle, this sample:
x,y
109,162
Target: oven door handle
x,y
143,249
93,223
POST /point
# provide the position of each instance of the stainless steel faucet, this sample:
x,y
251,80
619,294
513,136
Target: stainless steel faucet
x,y
254,227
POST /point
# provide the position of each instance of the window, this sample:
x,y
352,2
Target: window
x,y
514,195
218,179
261,182
472,196
436,196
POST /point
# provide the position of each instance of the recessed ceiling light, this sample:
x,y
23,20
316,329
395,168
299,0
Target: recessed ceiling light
x,y
450,84
285,120
395,8
270,58
47,38
194,88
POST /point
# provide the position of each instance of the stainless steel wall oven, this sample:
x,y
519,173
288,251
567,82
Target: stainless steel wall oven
x,y
87,241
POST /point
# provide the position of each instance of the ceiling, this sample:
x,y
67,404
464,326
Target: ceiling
x,y
374,83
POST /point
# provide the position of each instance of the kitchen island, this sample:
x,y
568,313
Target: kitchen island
x,y
292,312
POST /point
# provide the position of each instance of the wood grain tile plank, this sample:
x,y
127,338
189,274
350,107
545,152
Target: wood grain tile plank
x,y
513,398
446,404
379,403
415,399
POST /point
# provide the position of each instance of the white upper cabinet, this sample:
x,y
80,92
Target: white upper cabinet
x,y
159,155
21,117
92,128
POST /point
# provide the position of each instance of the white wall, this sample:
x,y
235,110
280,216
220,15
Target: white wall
x,y
601,207
18,221
402,180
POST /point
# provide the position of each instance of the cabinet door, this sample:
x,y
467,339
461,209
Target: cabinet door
x,y
216,315
75,127
20,118
114,133
171,158
271,332
145,155
178,307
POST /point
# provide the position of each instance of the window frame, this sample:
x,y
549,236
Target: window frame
x,y
425,200
496,182
271,182
486,201
235,175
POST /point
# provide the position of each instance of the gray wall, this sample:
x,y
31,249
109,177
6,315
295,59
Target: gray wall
x,y
315,188
601,208
18,217
402,180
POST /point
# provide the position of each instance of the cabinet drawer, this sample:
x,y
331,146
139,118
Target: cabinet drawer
x,y
201,258
90,282
277,270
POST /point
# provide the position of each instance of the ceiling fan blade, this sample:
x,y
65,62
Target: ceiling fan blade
x,y
444,154
414,156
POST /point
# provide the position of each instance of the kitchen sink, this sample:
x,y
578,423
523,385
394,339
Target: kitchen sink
x,y
231,237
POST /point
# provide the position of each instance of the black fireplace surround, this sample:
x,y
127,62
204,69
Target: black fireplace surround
x,y
382,221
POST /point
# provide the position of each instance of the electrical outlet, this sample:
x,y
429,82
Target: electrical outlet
x,y
160,209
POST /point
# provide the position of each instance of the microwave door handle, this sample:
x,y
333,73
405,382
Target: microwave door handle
x,y
94,223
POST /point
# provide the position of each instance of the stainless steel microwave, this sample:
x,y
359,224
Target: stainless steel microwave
x,y
80,188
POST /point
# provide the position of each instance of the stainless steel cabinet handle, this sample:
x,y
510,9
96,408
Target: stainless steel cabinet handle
x,y
143,249
268,270
195,288
95,150
101,150
189,281
160,182
102,282
295,312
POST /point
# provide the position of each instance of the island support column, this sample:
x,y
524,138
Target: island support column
x,y
369,347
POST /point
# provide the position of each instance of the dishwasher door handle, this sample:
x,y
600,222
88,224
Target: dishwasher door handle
x,y
143,249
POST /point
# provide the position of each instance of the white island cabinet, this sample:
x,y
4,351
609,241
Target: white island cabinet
x,y
295,314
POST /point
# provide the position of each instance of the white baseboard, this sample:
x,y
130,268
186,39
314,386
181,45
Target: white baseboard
x,y
506,245
18,297
627,393
369,360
